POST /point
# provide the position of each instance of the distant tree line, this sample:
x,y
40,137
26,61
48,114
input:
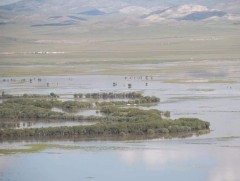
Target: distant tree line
x,y
110,95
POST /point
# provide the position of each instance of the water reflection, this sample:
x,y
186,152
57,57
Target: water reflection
x,y
5,164
209,162
154,160
211,157
228,165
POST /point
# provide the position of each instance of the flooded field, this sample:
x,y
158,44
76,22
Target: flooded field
x,y
191,90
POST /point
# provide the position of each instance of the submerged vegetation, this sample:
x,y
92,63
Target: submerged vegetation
x,y
116,119
32,148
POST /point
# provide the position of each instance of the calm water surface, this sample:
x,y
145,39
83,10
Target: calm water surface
x,y
210,157
198,159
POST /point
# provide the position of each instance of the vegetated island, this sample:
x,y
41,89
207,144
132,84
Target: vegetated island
x,y
121,118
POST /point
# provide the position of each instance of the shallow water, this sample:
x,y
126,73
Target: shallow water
x,y
210,157
88,113
226,74
52,124
45,124
200,159
82,112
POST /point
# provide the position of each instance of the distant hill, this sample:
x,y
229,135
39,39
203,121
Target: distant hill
x,y
53,12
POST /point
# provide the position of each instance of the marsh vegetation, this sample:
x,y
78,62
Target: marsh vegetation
x,y
116,119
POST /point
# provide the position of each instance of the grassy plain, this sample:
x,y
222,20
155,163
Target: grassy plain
x,y
101,51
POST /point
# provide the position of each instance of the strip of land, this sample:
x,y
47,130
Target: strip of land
x,y
119,118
